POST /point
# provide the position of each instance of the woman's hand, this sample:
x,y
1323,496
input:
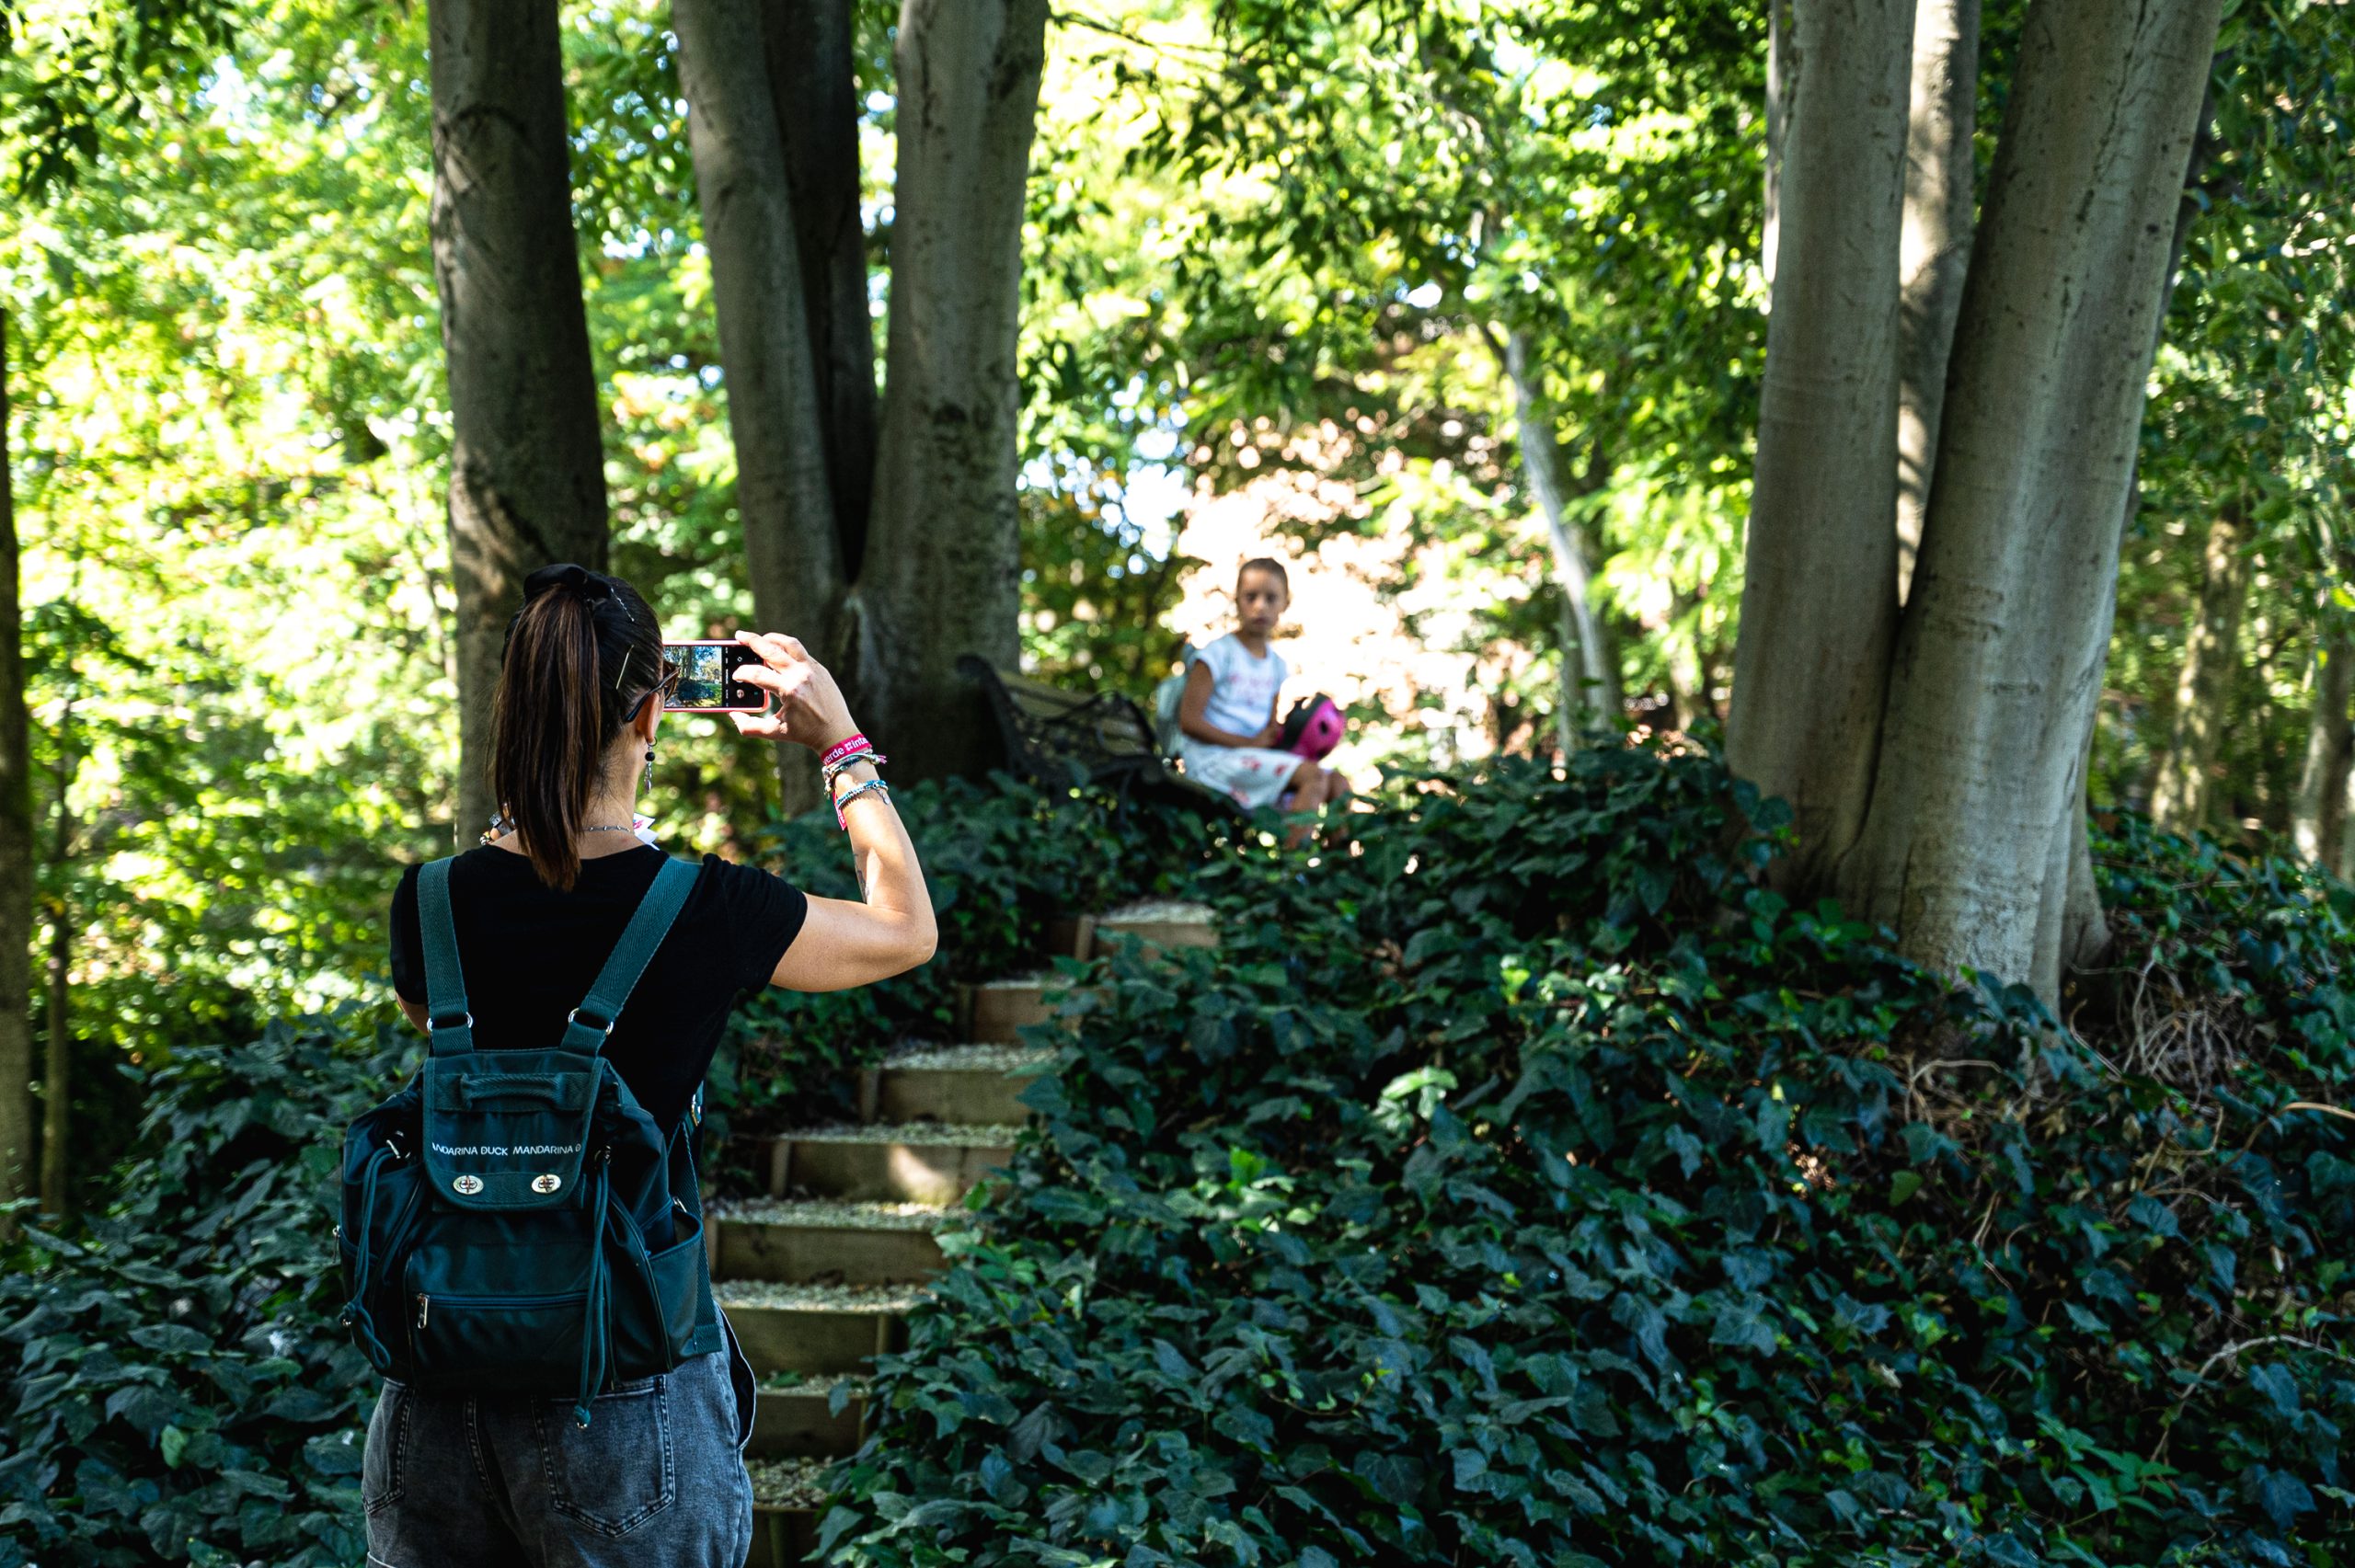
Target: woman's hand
x,y
1271,739
810,707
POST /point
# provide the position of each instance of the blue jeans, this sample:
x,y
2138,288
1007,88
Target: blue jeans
x,y
657,1476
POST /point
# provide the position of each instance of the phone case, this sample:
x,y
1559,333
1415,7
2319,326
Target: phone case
x,y
684,653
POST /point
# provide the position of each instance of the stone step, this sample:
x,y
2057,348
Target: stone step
x,y
971,1085
995,1013
1068,936
788,1499
935,1162
1156,925
818,1330
799,1423
824,1241
783,1538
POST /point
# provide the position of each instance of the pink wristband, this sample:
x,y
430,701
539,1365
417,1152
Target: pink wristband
x,y
842,748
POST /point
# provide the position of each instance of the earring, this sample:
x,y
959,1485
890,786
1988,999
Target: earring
x,y
650,770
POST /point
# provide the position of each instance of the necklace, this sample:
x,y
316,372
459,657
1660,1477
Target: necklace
x,y
500,827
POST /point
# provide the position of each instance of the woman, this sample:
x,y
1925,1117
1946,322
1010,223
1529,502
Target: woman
x,y
657,1475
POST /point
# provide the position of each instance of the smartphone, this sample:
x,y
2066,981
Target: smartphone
x,y
707,683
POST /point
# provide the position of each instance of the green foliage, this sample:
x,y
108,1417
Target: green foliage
x,y
2217,950
177,1387
1002,859
1532,1185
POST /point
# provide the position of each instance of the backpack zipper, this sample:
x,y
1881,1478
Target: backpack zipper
x,y
423,1303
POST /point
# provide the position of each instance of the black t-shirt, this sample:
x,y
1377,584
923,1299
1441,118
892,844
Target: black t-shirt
x,y
530,955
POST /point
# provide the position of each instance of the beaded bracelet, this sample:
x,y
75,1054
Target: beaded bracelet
x,y
872,786
836,767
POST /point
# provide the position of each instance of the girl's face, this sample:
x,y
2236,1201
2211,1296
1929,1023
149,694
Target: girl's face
x,y
1259,601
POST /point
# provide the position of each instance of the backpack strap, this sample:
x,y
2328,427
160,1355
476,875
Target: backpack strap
x,y
449,1027
588,1025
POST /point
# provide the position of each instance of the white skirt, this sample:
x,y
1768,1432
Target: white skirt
x,y
1251,776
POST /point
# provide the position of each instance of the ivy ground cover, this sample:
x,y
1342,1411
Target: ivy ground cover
x,y
1532,1185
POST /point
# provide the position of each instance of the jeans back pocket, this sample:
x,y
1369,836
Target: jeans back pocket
x,y
618,1471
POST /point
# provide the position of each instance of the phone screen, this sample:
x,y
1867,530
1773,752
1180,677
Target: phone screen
x,y
706,678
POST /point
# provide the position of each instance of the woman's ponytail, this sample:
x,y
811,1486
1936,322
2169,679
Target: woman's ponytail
x,y
582,655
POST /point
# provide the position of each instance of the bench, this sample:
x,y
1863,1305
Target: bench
x,y
1057,737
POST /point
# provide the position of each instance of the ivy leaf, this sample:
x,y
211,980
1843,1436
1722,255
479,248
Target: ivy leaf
x,y
2283,1495
1394,1478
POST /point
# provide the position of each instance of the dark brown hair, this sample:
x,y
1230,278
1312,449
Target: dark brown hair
x,y
582,655
1263,564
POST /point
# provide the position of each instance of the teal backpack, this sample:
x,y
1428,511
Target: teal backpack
x,y
513,1221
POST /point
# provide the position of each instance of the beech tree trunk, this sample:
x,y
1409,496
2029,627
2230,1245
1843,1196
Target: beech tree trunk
x,y
815,93
942,576
2083,933
527,481
2181,794
2318,818
1934,251
1975,799
1779,77
893,549
2346,839
57,1063
17,1145
1588,677
57,1055
785,485
1819,587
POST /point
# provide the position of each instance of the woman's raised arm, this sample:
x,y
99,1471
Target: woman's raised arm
x,y
890,930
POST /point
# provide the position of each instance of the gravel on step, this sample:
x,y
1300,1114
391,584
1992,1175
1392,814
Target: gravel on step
x,y
972,1058
1160,911
942,1133
831,1214
788,1483
759,1293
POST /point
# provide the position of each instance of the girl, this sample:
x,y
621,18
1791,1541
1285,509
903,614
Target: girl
x,y
1227,717
451,1479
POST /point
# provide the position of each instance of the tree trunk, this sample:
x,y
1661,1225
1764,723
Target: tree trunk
x,y
1819,587
942,576
1780,75
17,1145
784,488
2318,820
2179,799
57,1066
1998,660
2085,931
526,466
1588,677
814,89
2346,865
1935,252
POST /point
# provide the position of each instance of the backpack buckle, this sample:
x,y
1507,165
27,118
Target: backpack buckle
x,y
574,1017
436,1024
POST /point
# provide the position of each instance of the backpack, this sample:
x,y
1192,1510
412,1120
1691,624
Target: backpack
x,y
513,1221
1167,694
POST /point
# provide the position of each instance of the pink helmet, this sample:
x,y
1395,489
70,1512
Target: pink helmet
x,y
1312,728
